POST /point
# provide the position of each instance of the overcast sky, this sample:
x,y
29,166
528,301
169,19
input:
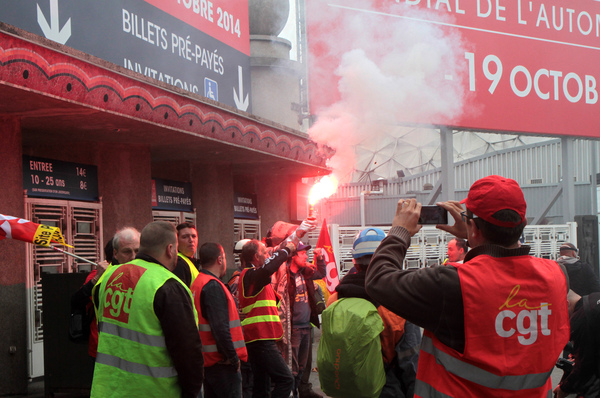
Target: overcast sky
x,y
289,31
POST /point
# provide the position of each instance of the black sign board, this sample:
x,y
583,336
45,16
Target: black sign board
x,y
46,178
171,195
245,206
199,46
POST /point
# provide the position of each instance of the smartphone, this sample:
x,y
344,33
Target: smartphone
x,y
433,215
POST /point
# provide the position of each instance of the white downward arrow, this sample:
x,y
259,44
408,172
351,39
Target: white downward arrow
x,y
52,31
242,105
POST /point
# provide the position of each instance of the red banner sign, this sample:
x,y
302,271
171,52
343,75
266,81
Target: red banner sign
x,y
522,66
226,21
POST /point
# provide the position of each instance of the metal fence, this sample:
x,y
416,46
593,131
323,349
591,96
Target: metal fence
x,y
428,247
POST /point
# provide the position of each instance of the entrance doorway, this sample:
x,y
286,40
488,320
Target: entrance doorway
x,y
81,226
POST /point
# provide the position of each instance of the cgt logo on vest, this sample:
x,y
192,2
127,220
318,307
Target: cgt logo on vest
x,y
119,292
526,323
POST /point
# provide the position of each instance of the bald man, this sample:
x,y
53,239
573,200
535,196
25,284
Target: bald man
x,y
148,335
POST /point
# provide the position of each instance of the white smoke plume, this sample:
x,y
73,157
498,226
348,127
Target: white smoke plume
x,y
391,71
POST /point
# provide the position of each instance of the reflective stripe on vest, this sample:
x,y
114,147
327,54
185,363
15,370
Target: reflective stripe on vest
x,y
213,347
423,389
134,367
259,303
262,320
232,324
132,335
480,376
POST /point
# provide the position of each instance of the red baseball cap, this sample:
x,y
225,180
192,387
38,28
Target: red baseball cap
x,y
493,193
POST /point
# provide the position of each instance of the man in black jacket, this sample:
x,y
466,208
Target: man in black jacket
x,y
585,331
219,325
582,278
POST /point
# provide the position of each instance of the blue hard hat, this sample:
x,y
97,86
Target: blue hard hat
x,y
367,241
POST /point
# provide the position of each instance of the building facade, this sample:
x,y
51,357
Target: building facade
x,y
86,144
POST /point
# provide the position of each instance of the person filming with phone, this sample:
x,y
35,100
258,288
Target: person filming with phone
x,y
495,324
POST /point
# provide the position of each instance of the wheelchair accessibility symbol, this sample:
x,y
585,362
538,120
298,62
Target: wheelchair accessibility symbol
x,y
211,89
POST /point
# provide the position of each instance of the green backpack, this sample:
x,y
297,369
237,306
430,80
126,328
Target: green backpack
x,y
349,357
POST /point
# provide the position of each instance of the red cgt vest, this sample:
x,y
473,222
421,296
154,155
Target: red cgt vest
x,y
209,345
516,325
261,320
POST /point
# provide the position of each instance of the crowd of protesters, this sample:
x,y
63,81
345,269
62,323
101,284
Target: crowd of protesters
x,y
494,318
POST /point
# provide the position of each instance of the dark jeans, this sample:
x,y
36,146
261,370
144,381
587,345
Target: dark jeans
x,y
247,379
268,365
305,385
222,381
300,349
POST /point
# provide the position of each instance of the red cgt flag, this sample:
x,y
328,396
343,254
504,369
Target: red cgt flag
x,y
27,231
324,242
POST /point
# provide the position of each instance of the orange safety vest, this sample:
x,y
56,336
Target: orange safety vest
x,y
262,318
209,344
516,325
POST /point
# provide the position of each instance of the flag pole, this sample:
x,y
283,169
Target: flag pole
x,y
73,255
